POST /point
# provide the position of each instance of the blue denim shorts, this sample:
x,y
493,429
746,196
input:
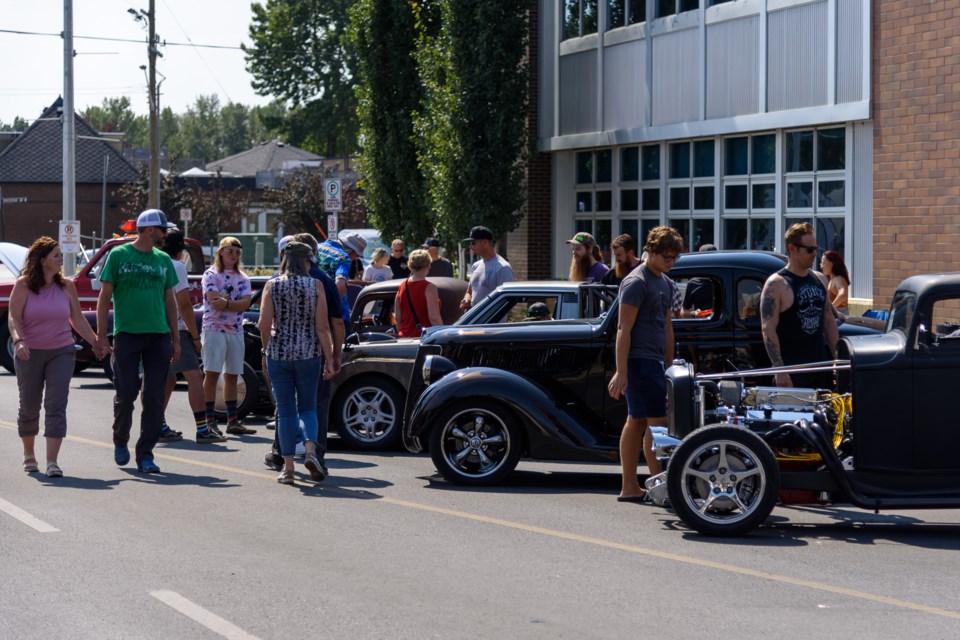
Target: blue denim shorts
x,y
646,388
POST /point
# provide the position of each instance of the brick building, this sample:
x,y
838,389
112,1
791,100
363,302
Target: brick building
x,y
31,173
732,119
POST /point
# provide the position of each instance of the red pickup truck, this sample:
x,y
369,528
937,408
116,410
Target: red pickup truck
x,y
88,287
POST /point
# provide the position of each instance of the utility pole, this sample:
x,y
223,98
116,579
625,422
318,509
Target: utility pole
x,y
149,16
69,135
153,201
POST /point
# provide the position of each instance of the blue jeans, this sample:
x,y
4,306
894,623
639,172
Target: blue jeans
x,y
294,385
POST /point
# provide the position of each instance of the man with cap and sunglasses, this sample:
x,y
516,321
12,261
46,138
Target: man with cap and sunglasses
x,y
139,279
487,273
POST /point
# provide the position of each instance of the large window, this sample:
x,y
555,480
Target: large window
x,y
623,12
580,18
671,7
595,204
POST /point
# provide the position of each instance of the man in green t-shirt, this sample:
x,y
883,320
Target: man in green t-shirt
x,y
139,278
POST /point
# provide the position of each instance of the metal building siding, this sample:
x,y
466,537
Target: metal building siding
x,y
849,51
676,62
797,54
861,214
578,92
549,48
732,68
625,86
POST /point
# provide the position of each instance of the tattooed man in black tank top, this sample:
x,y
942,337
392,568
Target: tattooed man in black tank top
x,y
798,324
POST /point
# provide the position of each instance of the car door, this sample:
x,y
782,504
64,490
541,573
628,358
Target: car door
x,y
705,335
936,367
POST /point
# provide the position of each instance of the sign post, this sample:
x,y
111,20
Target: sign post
x,y
70,236
186,215
332,203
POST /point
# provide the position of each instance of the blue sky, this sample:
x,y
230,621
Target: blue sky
x,y
31,66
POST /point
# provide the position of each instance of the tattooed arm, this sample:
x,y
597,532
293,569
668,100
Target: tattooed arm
x,y
769,318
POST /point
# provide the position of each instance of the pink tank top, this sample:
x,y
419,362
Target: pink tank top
x,y
46,319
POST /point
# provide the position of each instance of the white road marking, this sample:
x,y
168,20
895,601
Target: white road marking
x,y
26,518
198,614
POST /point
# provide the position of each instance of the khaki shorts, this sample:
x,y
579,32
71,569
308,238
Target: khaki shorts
x,y
222,352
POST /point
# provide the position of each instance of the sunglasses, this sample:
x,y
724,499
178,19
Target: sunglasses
x,y
809,248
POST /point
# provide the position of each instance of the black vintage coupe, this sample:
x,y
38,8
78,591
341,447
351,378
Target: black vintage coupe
x,y
494,394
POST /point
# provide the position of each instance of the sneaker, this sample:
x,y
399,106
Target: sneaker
x,y
238,429
272,425
169,435
318,470
273,461
285,477
214,427
147,465
121,455
209,436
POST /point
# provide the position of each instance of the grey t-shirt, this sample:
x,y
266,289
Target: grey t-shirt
x,y
652,295
487,275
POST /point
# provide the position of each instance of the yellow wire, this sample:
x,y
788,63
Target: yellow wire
x,y
842,406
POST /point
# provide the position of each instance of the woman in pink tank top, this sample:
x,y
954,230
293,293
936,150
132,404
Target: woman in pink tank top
x,y
43,307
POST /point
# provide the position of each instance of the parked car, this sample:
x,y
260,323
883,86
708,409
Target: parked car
x,y
888,442
493,395
369,394
88,287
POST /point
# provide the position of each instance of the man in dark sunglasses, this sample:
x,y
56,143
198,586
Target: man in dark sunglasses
x,y
798,324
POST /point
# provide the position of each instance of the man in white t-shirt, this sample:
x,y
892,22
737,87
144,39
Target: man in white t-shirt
x,y
189,362
487,273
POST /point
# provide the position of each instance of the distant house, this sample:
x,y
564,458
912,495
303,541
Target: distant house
x,y
31,180
266,165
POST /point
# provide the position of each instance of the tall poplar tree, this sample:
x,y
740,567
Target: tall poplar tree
x,y
383,37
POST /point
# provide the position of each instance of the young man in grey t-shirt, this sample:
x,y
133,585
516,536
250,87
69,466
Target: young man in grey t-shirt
x,y
644,344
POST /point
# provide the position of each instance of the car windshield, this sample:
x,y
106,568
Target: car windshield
x,y
901,311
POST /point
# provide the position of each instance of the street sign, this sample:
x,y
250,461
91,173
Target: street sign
x,y
332,225
70,236
186,215
331,195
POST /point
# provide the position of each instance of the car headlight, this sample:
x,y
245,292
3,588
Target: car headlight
x,y
435,367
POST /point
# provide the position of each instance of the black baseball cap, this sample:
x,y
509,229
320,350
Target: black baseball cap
x,y
431,242
479,233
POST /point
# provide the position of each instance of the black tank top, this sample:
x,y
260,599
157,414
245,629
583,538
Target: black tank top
x,y
800,328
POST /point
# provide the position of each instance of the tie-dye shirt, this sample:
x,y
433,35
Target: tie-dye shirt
x,y
232,285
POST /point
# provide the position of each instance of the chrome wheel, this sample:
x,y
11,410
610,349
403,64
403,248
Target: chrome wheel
x,y
369,414
723,480
475,443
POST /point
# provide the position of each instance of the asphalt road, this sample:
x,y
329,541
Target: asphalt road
x,y
213,547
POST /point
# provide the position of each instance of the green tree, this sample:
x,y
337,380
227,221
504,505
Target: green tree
x,y
383,36
300,201
199,135
473,127
234,129
18,124
299,56
115,115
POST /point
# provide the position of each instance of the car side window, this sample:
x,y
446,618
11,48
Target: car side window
x,y
748,300
375,313
700,297
518,311
569,307
945,322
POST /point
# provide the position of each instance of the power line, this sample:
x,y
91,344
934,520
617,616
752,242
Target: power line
x,y
128,40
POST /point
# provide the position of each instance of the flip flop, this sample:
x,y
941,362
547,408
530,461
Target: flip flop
x,y
30,465
636,499
54,470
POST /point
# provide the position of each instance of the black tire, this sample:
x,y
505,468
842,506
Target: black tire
x,y
723,480
367,412
476,442
6,346
248,387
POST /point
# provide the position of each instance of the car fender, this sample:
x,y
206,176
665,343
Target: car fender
x,y
548,425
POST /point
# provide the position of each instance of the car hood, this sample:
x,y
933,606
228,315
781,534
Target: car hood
x,y
557,332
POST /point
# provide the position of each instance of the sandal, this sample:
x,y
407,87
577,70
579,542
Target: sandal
x,y
30,464
54,470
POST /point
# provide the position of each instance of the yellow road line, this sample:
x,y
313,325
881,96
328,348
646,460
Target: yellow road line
x,y
574,537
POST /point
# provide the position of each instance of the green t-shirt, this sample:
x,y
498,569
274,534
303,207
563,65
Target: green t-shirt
x,y
139,280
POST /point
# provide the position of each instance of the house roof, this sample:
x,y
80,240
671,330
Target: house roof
x,y
37,155
267,156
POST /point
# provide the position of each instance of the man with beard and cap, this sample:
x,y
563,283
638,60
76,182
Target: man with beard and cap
x,y
797,321
440,267
139,280
586,263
